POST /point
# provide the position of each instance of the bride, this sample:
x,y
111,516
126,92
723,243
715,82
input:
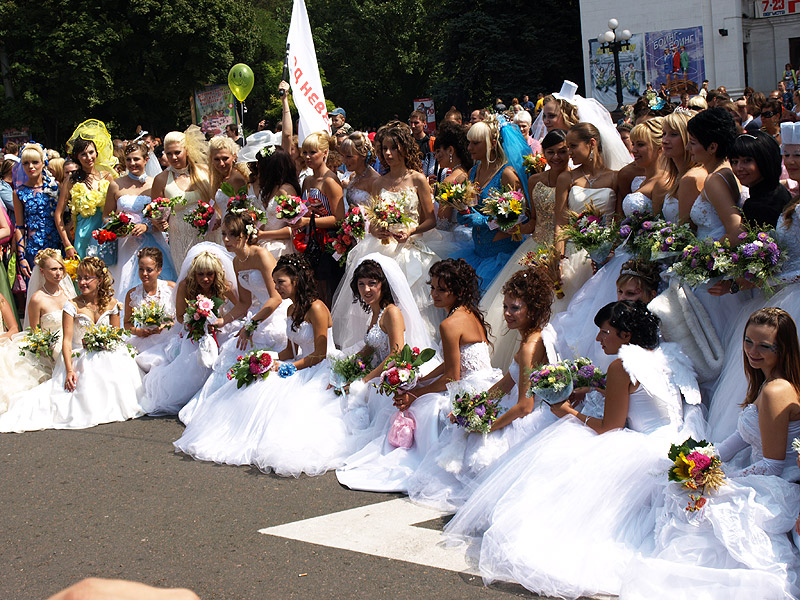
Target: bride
x,y
404,182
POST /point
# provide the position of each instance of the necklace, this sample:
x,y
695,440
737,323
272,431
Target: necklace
x,y
589,180
178,172
45,290
454,309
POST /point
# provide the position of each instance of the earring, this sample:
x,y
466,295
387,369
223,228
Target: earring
x,y
450,157
591,155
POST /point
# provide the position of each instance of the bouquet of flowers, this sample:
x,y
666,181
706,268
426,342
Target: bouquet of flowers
x,y
552,383
151,315
505,211
697,466
476,411
635,230
71,267
39,342
348,235
667,240
534,163
200,217
401,370
290,208
587,232
159,209
389,213
116,225
703,262
198,313
345,371
105,338
757,258
239,202
586,374
252,366
460,196
546,260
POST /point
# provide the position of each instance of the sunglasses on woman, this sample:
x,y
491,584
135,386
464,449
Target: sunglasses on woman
x,y
768,114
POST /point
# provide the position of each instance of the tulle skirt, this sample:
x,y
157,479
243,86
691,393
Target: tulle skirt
x,y
109,389
20,373
564,513
735,547
290,426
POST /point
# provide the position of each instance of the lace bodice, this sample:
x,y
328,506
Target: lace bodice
x,y
670,208
253,281
475,357
636,202
357,197
750,431
543,198
788,236
133,205
303,338
603,198
82,323
637,182
407,198
704,215
378,340
164,296
657,401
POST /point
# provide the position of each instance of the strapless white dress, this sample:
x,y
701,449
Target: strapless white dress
x,y
165,297
109,388
277,247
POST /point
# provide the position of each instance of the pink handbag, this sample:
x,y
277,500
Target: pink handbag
x,y
401,432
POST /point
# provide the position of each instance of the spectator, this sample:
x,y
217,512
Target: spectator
x,y
339,119
684,100
11,151
789,78
663,92
516,106
796,100
477,115
523,120
528,105
232,131
703,90
785,95
6,190
771,118
624,130
715,98
453,115
499,106
416,121
741,109
754,104
539,103
697,103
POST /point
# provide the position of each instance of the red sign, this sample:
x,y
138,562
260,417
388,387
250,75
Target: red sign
x,y
777,8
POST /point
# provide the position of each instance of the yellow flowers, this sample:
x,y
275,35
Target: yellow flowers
x,y
86,202
683,469
71,267
515,206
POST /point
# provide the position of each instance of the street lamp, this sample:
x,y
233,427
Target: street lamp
x,y
615,42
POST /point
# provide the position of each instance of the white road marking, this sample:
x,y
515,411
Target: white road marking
x,y
384,529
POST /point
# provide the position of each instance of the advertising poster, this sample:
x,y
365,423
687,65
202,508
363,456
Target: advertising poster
x,y
632,69
676,57
20,135
215,108
426,106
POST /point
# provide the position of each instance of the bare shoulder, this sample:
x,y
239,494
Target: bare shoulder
x,y
778,393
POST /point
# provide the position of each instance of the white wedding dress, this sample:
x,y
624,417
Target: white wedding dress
x,y
291,426
109,388
277,247
564,512
182,236
165,298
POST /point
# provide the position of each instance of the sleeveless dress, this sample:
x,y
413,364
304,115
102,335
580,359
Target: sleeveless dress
x,y
39,209
737,545
670,209
357,197
379,466
277,247
290,426
574,328
506,342
413,256
87,210
109,387
565,511
183,236
724,408
126,271
486,256
165,297
270,335
22,373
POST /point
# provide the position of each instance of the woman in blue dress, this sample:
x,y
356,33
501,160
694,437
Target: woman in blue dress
x,y
34,209
497,149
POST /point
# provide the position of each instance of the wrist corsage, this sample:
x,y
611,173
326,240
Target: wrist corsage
x,y
286,369
251,326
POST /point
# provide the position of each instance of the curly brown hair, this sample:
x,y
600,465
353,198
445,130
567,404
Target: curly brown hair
x,y
95,267
535,289
400,133
460,279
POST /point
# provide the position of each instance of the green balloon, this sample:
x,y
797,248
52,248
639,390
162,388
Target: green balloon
x,y
240,80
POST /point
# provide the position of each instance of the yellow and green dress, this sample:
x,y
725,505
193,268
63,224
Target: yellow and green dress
x,y
86,205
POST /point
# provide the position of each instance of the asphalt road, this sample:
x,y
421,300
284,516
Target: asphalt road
x,y
116,501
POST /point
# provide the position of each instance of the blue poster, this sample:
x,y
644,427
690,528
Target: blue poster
x,y
676,57
604,79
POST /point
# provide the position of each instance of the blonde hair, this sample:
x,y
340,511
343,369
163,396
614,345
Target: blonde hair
x,y
194,144
56,168
96,267
488,131
359,143
28,152
223,142
318,140
649,132
46,253
677,121
206,262
697,103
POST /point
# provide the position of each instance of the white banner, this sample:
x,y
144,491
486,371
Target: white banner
x,y
304,75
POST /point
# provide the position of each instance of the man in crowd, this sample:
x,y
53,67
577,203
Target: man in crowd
x,y
477,115
11,151
232,131
528,105
338,118
499,105
416,121
703,90
539,103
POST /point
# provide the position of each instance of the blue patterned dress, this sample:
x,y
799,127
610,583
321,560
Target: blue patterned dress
x,y
39,208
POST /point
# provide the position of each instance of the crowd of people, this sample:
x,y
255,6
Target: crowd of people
x,y
256,312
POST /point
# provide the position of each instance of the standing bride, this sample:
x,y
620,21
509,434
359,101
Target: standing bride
x,y
405,183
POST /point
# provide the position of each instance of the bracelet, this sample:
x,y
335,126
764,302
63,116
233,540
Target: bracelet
x,y
69,247
251,326
286,369
586,420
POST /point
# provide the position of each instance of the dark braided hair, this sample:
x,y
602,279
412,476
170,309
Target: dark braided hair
x,y
633,318
460,279
535,289
305,287
369,269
